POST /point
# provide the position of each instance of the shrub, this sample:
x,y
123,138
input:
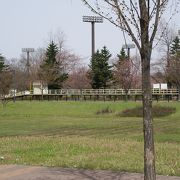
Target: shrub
x,y
106,110
157,111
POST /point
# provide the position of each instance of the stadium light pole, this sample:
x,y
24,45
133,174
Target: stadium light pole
x,y
93,20
28,51
128,47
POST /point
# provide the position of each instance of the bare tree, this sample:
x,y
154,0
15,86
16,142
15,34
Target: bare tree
x,y
173,67
140,19
19,66
35,62
126,74
165,36
65,56
5,80
78,79
5,85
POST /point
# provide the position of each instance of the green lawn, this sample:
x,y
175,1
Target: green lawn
x,y
71,134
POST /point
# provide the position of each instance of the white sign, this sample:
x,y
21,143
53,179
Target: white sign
x,y
164,86
160,86
156,86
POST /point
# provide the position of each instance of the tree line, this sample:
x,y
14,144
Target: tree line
x,y
58,68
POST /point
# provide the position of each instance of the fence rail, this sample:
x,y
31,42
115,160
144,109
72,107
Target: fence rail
x,y
110,92
98,92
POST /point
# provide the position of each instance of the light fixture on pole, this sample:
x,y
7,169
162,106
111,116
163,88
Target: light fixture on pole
x,y
93,20
28,50
128,47
179,32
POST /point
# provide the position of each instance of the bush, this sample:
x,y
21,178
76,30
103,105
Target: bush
x,y
106,110
157,111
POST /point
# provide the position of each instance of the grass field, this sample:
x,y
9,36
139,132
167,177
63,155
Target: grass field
x,y
71,134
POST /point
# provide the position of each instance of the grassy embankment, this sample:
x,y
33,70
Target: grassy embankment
x,y
71,134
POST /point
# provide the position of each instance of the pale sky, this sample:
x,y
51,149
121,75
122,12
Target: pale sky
x,y
28,24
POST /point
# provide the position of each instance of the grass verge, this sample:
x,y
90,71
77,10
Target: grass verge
x,y
71,134
87,153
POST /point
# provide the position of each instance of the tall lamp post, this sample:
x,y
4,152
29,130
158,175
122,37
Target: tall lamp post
x,y
28,51
93,20
128,47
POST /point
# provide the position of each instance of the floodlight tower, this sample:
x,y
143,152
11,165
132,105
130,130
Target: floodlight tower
x,y
93,20
28,51
128,47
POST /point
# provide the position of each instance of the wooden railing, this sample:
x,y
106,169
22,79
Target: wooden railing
x,y
98,92
110,92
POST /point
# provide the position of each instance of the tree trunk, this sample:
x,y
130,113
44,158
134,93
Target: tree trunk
x,y
149,154
178,93
42,94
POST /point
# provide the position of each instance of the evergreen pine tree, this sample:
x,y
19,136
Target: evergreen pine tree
x,y
100,71
2,63
175,47
173,66
51,70
122,56
51,54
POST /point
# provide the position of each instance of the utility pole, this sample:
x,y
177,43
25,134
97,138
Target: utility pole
x,y
93,20
28,51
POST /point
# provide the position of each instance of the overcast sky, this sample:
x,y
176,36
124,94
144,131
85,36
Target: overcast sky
x,y
29,23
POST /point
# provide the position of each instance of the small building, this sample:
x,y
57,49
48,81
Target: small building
x,y
160,86
40,88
